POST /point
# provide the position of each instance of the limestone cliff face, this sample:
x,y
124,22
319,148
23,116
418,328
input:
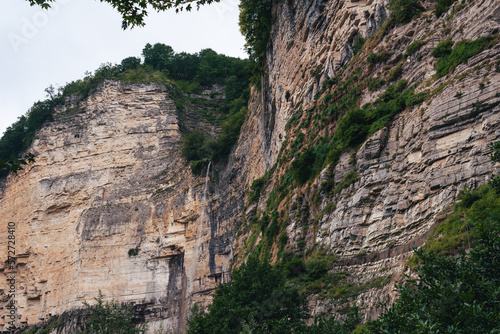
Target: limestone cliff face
x,y
406,173
109,179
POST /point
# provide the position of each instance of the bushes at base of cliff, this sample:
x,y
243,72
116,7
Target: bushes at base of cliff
x,y
450,295
258,300
100,318
110,317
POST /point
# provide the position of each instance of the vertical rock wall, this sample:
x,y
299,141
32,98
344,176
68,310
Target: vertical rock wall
x,y
407,173
110,204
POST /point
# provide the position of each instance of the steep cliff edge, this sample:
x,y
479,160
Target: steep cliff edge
x,y
374,202
111,205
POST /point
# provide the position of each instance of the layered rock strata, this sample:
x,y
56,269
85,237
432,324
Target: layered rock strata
x,y
110,204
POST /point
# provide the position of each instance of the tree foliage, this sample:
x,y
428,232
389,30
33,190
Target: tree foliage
x,y
130,63
257,297
110,318
19,135
206,67
450,295
403,11
255,25
180,71
259,301
134,12
16,164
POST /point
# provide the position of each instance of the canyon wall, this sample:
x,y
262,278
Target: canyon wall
x,y
110,205
406,173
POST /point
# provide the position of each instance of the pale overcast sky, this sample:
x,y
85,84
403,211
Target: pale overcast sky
x,y
40,48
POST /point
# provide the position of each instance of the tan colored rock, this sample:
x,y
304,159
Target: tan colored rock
x,y
109,177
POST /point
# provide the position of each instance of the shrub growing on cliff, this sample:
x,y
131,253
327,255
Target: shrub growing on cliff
x,y
230,132
449,58
302,166
256,188
442,6
459,296
256,298
404,10
196,146
110,318
414,47
443,49
395,73
375,58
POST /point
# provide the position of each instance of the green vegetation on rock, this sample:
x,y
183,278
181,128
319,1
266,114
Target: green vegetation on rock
x,y
19,135
442,6
181,73
403,11
375,58
414,47
450,57
258,300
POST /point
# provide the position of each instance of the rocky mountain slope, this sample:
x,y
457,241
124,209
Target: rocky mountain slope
x,y
405,173
110,204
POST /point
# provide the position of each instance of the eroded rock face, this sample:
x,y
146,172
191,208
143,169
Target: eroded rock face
x,y
406,173
110,205
109,181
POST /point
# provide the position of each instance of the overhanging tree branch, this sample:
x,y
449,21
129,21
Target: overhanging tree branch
x,y
134,12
